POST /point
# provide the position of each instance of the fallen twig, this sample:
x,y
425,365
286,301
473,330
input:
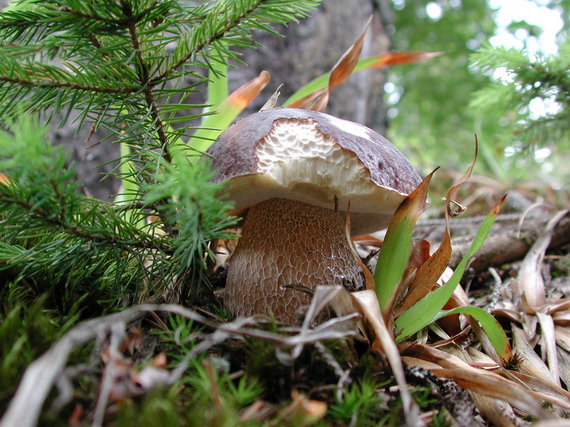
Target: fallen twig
x,y
508,243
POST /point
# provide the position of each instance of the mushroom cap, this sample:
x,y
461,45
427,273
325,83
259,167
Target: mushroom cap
x,y
313,158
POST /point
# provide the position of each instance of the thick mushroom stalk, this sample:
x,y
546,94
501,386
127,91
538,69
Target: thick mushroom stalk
x,y
291,167
286,249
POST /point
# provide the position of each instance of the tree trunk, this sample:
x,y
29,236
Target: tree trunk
x,y
313,46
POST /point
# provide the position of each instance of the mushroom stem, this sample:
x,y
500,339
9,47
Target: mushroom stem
x,y
286,248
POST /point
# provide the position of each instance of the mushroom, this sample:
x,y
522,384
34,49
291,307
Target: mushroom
x,y
297,171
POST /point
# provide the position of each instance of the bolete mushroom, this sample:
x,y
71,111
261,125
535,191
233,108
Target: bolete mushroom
x,y
297,171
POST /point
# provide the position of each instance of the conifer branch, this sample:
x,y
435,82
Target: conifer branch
x,y
123,90
75,231
212,39
145,80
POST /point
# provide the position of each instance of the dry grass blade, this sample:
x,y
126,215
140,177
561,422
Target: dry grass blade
x,y
323,296
548,344
318,100
242,96
368,277
495,386
367,303
530,284
480,381
549,392
272,101
529,362
396,58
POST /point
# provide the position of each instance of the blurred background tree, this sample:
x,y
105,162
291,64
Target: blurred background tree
x,y
505,77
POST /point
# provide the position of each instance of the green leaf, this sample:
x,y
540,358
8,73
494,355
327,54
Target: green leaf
x,y
424,311
397,245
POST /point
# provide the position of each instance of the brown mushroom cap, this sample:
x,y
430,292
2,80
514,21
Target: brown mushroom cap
x,y
313,158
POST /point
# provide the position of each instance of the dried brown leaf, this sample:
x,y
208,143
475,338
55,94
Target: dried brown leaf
x,y
541,387
548,344
562,318
427,275
477,380
367,239
492,385
561,305
529,362
497,412
562,334
564,359
318,100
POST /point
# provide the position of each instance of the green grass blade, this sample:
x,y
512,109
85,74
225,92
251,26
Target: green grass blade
x,y
397,244
424,311
489,324
217,84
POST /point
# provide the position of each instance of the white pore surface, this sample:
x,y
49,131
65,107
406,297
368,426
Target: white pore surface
x,y
299,157
296,161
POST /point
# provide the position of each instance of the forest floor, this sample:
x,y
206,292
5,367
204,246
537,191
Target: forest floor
x,y
166,364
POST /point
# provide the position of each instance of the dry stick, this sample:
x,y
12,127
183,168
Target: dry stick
x,y
508,245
